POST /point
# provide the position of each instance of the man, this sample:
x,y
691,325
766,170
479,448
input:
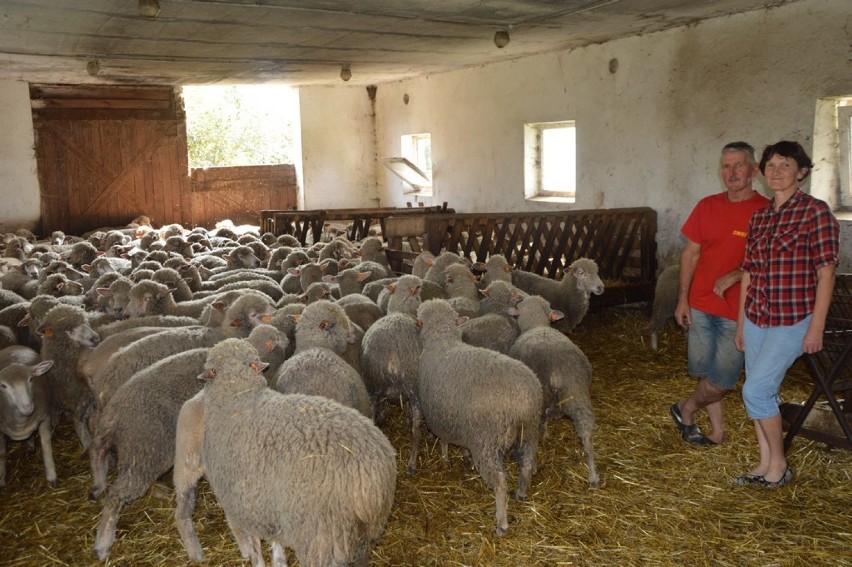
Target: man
x,y
709,292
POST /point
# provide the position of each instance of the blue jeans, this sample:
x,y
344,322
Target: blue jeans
x,y
769,353
711,352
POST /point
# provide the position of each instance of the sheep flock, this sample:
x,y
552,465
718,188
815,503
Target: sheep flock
x,y
266,367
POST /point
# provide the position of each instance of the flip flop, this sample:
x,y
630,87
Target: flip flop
x,y
678,419
692,434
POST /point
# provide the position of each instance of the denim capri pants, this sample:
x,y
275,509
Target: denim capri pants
x,y
769,353
711,352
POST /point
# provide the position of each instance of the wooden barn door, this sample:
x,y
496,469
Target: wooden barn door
x,y
109,154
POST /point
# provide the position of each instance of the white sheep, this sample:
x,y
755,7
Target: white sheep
x,y
317,368
64,333
570,295
24,408
322,475
665,301
479,399
564,371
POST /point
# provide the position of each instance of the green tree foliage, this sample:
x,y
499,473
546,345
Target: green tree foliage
x,y
241,125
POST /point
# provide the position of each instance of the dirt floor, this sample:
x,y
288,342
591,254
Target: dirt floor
x,y
661,502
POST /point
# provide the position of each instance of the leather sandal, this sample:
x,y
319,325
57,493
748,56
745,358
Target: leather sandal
x,y
678,419
749,479
785,479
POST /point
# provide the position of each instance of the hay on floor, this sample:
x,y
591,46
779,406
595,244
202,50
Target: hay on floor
x,y
661,502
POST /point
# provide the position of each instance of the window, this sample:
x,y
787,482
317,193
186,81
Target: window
x,y
550,161
415,165
239,125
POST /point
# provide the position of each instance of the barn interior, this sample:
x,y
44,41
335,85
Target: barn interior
x,y
94,135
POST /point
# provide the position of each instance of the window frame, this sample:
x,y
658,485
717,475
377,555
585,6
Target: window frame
x,y
533,160
844,131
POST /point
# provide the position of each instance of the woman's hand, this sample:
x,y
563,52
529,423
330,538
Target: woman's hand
x,y
813,340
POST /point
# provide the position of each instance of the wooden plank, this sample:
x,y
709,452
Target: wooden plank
x,y
98,104
44,91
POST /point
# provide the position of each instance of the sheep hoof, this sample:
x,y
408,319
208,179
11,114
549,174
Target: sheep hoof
x,y
501,531
519,496
410,471
93,495
52,483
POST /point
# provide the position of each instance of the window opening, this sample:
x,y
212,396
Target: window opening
x,y
414,167
237,125
550,161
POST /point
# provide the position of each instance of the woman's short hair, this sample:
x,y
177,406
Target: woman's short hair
x,y
787,149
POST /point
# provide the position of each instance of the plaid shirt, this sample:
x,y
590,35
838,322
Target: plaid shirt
x,y
784,250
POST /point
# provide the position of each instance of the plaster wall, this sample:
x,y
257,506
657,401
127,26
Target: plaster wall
x,y
648,134
20,204
338,148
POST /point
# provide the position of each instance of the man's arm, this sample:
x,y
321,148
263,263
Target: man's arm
x,y
725,281
688,262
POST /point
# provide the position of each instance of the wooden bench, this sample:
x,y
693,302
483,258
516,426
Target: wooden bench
x,y
621,241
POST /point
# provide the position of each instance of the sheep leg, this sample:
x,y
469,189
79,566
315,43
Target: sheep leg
x,y
416,433
188,469
130,485
581,414
105,536
47,451
185,498
98,462
250,547
82,433
500,493
279,556
490,467
526,462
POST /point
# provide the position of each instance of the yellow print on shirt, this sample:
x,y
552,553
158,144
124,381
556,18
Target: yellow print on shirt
x,y
740,233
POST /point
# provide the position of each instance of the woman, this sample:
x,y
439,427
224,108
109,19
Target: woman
x,y
788,278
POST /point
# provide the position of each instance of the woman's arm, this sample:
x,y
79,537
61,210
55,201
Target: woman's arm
x,y
825,287
738,338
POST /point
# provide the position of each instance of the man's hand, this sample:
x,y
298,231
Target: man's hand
x,y
683,316
726,281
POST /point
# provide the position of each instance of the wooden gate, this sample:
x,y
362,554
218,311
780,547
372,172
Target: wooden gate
x,y
107,154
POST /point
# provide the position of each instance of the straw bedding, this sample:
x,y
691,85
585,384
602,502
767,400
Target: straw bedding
x,y
662,502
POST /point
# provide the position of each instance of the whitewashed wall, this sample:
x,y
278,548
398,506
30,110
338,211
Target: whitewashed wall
x,y
338,148
648,134
19,193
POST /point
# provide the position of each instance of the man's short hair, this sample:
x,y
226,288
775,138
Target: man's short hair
x,y
741,147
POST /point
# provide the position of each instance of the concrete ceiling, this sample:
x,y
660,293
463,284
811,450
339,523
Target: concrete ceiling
x,y
306,42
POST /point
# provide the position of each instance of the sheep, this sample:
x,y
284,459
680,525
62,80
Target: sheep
x,y
569,295
140,421
8,337
317,368
91,299
272,345
484,401
494,329
460,288
270,288
316,291
372,250
151,298
349,281
278,437
564,371
81,253
165,321
173,279
64,333
435,273
250,310
420,265
665,301
496,268
391,348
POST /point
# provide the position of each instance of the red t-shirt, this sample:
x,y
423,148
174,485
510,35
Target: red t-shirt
x,y
720,227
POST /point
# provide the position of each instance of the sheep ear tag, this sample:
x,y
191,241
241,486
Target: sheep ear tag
x,y
266,318
236,323
47,332
258,366
326,325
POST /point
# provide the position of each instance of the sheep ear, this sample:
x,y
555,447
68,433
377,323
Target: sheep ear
x,y
294,271
429,260
364,275
25,321
296,317
513,311
461,321
45,331
104,292
227,257
237,323
41,367
162,293
207,375
507,268
218,305
87,268
330,279
391,287
555,315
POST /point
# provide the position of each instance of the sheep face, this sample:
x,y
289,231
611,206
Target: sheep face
x,y
586,275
